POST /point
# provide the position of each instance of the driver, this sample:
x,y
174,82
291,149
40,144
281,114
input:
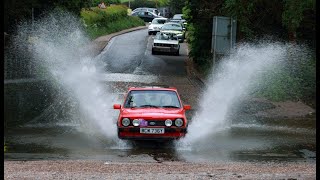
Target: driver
x,y
139,100
166,101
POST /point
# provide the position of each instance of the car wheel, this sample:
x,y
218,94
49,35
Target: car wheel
x,y
149,33
177,53
152,51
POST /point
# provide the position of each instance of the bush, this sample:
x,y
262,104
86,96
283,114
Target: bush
x,y
296,81
102,17
105,21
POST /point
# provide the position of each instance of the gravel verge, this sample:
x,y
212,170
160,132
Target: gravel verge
x,y
87,169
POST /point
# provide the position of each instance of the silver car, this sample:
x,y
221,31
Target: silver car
x,y
156,25
166,43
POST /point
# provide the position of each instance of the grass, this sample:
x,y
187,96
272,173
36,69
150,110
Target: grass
x,y
122,1
115,18
125,23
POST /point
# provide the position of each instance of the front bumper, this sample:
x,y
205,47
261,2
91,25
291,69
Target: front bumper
x,y
181,38
153,30
165,49
133,133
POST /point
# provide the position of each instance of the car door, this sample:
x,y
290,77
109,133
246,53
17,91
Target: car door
x,y
142,15
149,16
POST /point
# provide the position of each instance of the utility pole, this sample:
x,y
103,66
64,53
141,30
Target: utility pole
x,y
129,5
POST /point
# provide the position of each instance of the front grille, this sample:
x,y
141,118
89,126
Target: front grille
x,y
163,45
156,123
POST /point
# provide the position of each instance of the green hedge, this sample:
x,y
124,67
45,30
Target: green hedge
x,y
297,81
105,21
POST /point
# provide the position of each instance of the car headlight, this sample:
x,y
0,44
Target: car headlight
x,y
168,122
125,121
136,122
178,122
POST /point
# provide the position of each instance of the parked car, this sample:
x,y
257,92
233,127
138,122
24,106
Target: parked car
x,y
155,25
165,42
174,28
147,16
152,113
178,18
153,10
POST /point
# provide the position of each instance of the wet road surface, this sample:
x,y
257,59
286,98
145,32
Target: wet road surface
x,y
127,61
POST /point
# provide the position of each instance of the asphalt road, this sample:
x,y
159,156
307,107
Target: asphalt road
x,y
131,53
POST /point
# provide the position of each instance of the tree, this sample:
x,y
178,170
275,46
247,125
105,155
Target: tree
x,y
17,11
293,14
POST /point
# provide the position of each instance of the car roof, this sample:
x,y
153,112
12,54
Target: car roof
x,y
162,18
156,88
172,23
145,8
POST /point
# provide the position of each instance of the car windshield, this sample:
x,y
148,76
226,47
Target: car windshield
x,y
152,98
164,36
172,27
158,21
177,16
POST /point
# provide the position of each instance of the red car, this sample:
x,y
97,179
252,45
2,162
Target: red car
x,y
152,113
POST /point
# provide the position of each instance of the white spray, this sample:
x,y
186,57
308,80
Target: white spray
x,y
234,77
58,45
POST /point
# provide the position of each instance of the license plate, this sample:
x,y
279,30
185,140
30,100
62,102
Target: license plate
x,y
152,130
165,50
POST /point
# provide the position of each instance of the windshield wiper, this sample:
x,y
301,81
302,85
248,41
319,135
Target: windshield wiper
x,y
147,105
169,106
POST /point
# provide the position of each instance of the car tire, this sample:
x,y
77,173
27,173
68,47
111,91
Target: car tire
x,y
149,33
152,51
176,53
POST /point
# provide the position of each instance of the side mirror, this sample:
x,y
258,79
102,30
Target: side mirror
x,y
117,106
187,107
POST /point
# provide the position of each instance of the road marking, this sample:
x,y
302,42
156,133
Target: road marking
x,y
147,49
108,45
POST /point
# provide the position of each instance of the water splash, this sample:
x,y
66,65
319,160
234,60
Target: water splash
x,y
232,80
59,46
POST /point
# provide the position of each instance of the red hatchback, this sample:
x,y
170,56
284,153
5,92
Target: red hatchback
x,y
152,113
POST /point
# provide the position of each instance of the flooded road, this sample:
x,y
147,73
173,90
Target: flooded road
x,y
247,138
239,143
